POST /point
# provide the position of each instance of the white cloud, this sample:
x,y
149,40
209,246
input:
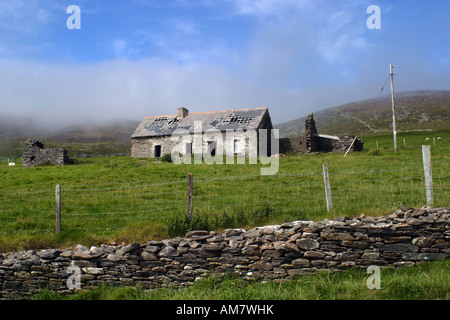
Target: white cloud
x,y
26,16
119,46
264,8
309,42
109,90
186,27
121,89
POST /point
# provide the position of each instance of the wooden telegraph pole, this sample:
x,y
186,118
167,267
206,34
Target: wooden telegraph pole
x,y
394,126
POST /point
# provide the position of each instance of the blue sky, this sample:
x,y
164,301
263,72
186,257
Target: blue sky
x,y
138,58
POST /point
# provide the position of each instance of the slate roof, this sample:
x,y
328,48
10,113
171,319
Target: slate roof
x,y
221,120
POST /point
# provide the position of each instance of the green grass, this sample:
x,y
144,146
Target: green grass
x,y
427,281
126,199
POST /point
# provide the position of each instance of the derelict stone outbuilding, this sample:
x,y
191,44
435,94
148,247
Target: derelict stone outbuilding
x,y
35,153
312,141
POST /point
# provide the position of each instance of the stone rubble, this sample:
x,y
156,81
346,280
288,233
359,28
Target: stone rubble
x,y
403,238
34,154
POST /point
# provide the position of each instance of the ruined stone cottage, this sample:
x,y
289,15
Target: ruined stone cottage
x,y
312,141
228,132
35,153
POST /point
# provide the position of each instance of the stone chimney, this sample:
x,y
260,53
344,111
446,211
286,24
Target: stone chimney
x,y
182,113
310,133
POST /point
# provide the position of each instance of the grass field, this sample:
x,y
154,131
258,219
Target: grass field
x,y
125,199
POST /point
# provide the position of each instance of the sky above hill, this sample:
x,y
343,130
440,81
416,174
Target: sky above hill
x,y
134,58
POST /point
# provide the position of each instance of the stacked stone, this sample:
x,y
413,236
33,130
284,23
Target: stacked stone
x,y
342,145
402,238
313,142
34,154
310,133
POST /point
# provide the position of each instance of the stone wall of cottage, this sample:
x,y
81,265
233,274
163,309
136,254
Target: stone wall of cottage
x,y
246,144
403,238
341,145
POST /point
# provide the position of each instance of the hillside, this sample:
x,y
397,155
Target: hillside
x,y
415,111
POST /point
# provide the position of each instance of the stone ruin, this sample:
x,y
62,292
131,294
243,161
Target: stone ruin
x,y
35,153
312,141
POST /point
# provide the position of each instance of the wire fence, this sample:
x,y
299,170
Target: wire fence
x,y
106,209
4,160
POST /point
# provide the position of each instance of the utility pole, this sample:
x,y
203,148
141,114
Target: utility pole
x,y
394,126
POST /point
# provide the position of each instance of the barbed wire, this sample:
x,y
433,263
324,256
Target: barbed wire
x,y
127,185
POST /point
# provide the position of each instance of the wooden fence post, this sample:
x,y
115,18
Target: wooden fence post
x,y
353,142
58,208
190,194
326,180
426,154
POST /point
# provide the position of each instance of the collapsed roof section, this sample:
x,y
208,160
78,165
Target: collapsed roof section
x,y
240,119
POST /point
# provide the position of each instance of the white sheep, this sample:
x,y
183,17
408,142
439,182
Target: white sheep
x,y
11,164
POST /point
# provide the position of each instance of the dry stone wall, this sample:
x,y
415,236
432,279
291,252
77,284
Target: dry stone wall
x,y
403,238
